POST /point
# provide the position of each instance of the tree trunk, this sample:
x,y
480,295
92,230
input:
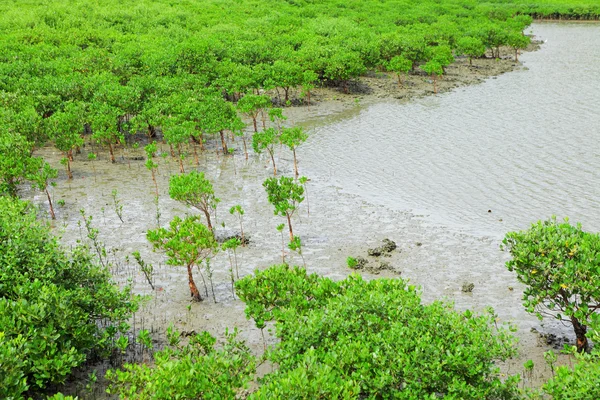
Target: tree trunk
x,y
193,289
516,55
290,226
223,143
295,162
245,146
308,96
207,215
50,203
580,333
273,160
112,153
254,123
69,174
434,84
286,89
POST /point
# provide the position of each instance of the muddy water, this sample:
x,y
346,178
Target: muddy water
x,y
523,145
423,174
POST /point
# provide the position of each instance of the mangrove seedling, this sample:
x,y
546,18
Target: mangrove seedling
x,y
237,209
292,138
196,191
285,195
117,204
266,140
232,244
401,66
146,268
187,242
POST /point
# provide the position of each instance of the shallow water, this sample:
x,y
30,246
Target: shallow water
x,y
523,145
422,173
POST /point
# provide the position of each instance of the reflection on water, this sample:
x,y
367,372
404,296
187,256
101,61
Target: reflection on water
x,y
523,145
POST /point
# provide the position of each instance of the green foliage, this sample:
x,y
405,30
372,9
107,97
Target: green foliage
x,y
16,163
351,262
400,65
196,191
187,242
285,195
560,264
577,382
471,47
193,371
56,308
372,339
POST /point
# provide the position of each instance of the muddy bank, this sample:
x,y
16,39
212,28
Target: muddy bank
x,y
377,86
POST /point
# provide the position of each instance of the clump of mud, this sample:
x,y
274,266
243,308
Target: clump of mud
x,y
550,339
375,266
467,287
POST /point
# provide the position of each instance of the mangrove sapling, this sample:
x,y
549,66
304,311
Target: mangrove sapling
x,y
41,179
559,264
470,47
435,70
65,129
251,105
292,138
266,140
237,209
231,246
285,195
518,41
187,242
280,230
117,204
401,66
296,245
196,191
146,268
308,83
209,274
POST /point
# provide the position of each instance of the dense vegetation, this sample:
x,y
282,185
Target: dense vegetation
x,y
57,309
350,339
190,72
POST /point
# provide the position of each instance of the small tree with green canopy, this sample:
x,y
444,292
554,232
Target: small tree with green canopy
x,y
470,47
292,138
560,265
251,105
433,69
266,140
187,242
285,195
65,129
518,41
309,78
401,66
196,191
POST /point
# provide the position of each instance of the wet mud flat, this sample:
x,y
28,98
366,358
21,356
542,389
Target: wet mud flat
x,y
332,223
